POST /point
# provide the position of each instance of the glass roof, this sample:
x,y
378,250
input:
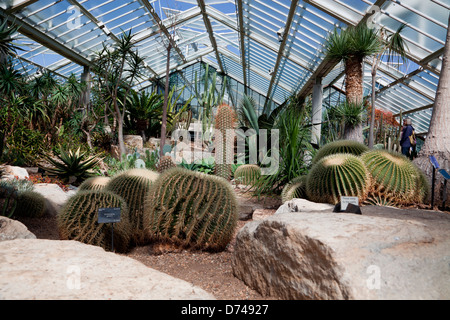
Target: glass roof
x,y
274,48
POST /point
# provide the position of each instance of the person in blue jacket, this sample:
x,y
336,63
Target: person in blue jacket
x,y
405,143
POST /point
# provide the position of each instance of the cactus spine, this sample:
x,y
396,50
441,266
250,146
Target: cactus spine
x,y
337,175
191,209
78,220
296,188
94,183
30,204
166,162
224,143
340,146
133,186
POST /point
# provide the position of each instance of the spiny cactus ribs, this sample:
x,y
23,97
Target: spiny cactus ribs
x,y
340,146
166,162
192,210
296,188
30,204
337,175
94,183
247,174
224,140
79,220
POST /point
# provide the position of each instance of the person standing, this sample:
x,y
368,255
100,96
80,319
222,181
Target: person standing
x,y
407,139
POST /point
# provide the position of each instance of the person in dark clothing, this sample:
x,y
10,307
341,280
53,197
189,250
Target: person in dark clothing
x,y
405,142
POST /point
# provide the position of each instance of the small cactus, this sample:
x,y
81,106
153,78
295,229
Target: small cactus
x,y
166,162
296,188
94,183
337,175
30,204
8,198
79,220
247,174
191,209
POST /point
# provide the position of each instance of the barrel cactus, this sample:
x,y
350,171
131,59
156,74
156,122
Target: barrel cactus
x,y
225,123
340,146
337,175
8,198
296,188
133,185
30,204
94,183
79,220
166,162
395,177
247,174
192,210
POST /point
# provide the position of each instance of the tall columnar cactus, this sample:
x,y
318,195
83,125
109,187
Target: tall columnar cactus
x,y
224,140
166,162
296,188
247,174
191,209
30,204
79,220
94,183
337,175
340,146
395,177
133,186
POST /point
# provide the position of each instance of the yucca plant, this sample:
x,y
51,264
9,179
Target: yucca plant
x,y
338,175
192,210
72,165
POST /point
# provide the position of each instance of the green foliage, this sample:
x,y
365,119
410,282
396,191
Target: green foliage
x,y
247,174
224,142
131,161
30,204
337,175
340,146
79,220
207,165
133,186
7,45
296,188
72,164
351,114
191,209
8,198
94,183
396,179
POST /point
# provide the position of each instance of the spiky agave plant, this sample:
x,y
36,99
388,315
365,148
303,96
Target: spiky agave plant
x,y
192,210
395,177
337,175
79,220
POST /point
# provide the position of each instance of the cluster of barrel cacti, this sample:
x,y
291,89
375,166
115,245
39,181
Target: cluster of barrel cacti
x,y
348,168
187,208
18,198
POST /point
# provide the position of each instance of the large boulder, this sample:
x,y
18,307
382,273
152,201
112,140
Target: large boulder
x,y
133,142
54,269
383,254
303,205
12,229
12,172
55,196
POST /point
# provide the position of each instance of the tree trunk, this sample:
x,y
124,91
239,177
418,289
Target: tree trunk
x,y
354,93
437,141
166,98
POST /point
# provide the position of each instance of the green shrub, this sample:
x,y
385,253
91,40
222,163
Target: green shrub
x,y
79,220
191,209
337,175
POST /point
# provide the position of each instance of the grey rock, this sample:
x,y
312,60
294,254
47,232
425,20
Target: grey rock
x,y
12,229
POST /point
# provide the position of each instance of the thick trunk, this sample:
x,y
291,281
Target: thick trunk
x,y
354,93
437,141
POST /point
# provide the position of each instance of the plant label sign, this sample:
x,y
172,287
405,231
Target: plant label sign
x,y
434,162
445,174
108,215
346,200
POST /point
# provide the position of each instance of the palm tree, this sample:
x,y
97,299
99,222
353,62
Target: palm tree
x,y
351,46
7,46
